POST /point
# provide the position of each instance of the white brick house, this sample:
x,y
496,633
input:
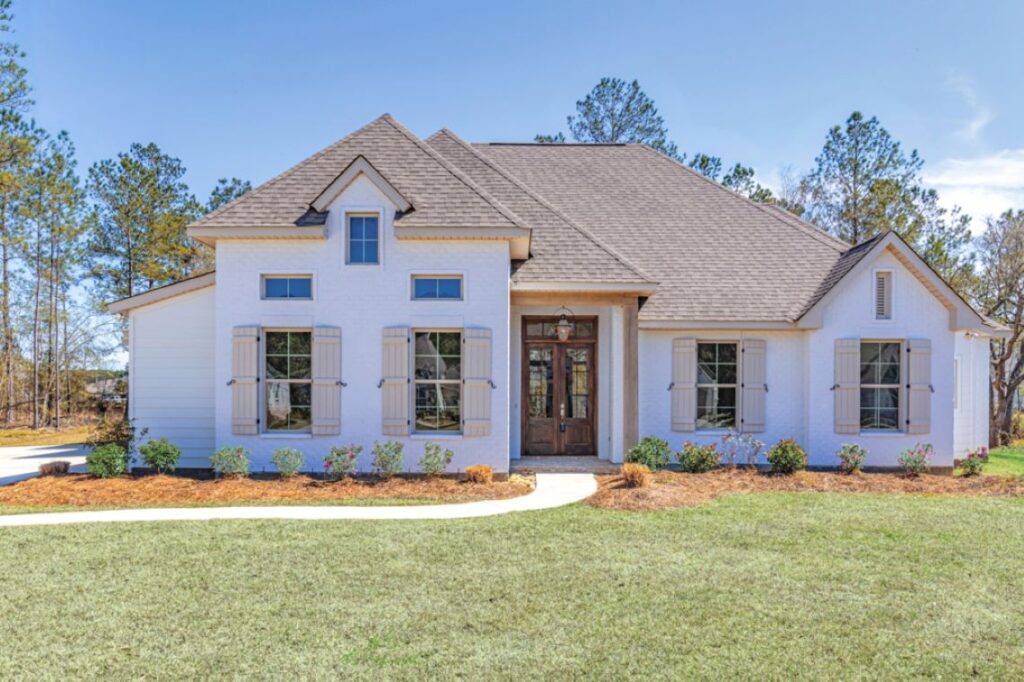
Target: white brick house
x,y
512,300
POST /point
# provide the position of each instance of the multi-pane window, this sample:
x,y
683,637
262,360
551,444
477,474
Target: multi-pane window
x,y
300,287
880,385
438,382
289,381
436,288
363,239
716,385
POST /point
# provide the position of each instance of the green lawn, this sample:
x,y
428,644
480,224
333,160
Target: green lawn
x,y
1009,460
751,586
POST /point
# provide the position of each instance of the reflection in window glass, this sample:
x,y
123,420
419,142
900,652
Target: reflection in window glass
x,y
880,385
438,381
289,375
716,385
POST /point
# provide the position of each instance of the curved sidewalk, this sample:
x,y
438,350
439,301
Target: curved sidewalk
x,y
553,490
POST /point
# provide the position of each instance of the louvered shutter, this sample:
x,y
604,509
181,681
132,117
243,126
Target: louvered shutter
x,y
395,382
847,386
326,381
883,295
919,386
476,383
753,386
684,384
245,392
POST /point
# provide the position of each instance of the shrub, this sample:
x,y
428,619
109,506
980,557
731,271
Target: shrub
x,y
161,455
652,452
288,461
388,458
738,447
231,461
479,473
916,460
975,461
635,475
54,468
851,458
1017,428
121,432
341,462
435,461
787,457
107,461
698,459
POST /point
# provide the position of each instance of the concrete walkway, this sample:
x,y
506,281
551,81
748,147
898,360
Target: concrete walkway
x,y
553,490
21,462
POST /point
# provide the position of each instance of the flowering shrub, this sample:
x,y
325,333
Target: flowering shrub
x,y
851,458
740,447
635,475
388,458
435,461
787,457
231,461
653,453
698,459
479,473
341,462
161,455
288,461
916,460
107,461
974,462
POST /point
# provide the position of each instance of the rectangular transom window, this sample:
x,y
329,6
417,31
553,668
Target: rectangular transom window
x,y
288,286
438,381
363,239
880,385
430,288
289,380
717,374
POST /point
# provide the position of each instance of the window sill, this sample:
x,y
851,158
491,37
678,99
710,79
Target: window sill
x,y
435,436
281,435
880,433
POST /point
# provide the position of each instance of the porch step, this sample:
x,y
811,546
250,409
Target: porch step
x,y
546,464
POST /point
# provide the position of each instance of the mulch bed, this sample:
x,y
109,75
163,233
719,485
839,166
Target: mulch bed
x,y
83,490
670,489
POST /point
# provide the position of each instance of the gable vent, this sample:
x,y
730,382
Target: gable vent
x,y
883,295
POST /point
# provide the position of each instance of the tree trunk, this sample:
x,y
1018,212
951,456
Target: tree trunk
x,y
35,331
5,313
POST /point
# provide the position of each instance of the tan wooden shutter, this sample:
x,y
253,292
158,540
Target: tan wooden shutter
x,y
919,386
395,381
847,386
326,381
684,384
245,377
476,383
753,386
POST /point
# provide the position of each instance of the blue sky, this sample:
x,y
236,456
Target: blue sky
x,y
250,88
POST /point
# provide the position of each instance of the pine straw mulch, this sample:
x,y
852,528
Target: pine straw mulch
x,y
669,489
83,490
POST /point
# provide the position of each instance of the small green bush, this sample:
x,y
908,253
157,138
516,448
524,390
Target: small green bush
x,y
787,457
107,461
231,461
698,459
435,461
119,432
388,458
288,461
851,458
341,462
161,455
652,452
916,460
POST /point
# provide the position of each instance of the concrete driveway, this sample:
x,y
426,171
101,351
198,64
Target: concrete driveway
x,y
21,462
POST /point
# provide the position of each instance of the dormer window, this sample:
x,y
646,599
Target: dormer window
x,y
363,239
883,295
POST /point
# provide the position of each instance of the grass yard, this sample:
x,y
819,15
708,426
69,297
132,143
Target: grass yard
x,y
69,436
767,585
1007,461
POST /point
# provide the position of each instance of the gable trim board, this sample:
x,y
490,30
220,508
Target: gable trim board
x,y
359,166
163,293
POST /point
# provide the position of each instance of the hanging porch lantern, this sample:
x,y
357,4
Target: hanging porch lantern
x,y
565,325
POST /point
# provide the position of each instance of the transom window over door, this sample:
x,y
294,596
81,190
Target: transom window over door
x,y
438,381
289,380
363,239
880,385
716,385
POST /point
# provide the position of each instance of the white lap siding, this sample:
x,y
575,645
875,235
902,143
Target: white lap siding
x,y
171,389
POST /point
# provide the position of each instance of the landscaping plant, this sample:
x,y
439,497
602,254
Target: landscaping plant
x,y
288,461
341,462
479,473
54,468
161,455
435,461
975,461
635,475
698,459
916,460
120,432
388,458
652,452
851,458
737,447
231,461
787,457
107,461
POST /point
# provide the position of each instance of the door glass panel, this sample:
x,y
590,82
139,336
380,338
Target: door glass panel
x,y
577,382
541,390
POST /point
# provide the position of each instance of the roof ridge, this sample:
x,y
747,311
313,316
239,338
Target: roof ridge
x,y
543,202
455,172
809,230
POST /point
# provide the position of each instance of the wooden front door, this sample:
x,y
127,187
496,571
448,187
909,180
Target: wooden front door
x,y
559,394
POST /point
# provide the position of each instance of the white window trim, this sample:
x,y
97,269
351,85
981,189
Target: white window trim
x,y
285,275
413,433
437,275
739,381
957,381
901,408
363,211
264,431
892,295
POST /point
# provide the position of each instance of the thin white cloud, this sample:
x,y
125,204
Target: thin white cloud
x,y
983,186
981,115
